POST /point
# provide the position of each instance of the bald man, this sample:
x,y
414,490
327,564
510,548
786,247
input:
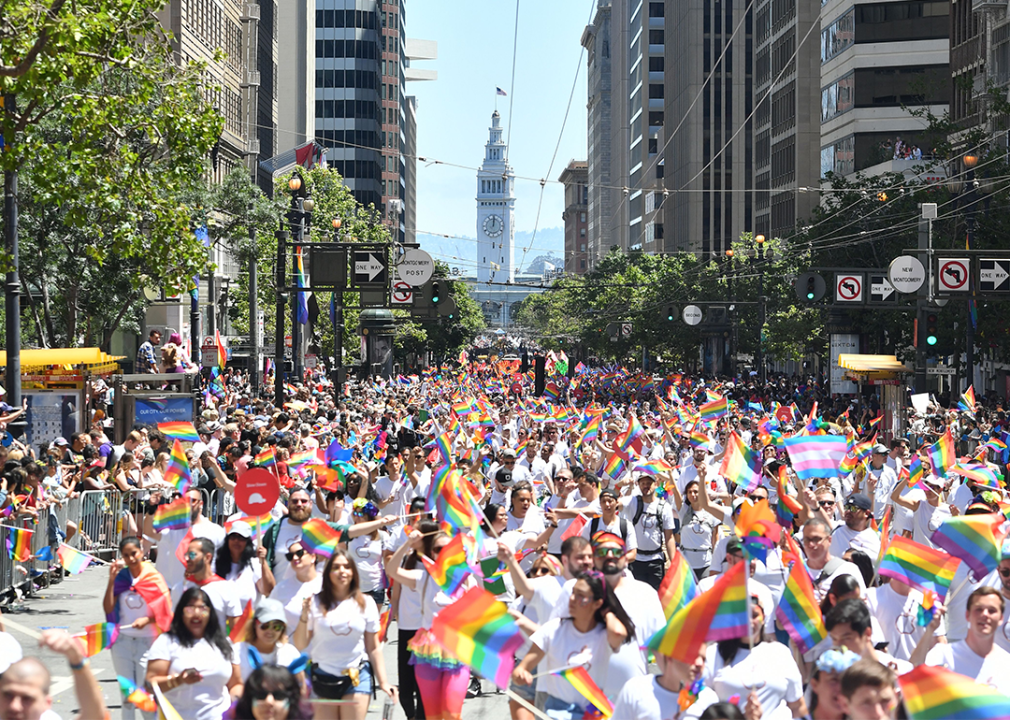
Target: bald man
x,y
24,687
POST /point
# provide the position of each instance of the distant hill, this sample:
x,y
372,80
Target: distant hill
x,y
536,265
461,252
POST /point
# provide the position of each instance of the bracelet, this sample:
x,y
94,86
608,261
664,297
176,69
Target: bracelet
x,y
79,666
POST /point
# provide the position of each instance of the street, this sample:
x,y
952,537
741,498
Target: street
x,y
77,601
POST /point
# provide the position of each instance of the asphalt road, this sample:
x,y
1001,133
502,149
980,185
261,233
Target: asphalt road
x,y
77,601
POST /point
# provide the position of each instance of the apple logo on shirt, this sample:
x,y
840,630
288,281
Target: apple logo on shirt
x,y
133,601
341,630
583,656
363,552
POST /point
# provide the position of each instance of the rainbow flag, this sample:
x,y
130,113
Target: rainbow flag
x,y
798,611
177,471
72,561
302,458
238,629
979,472
265,522
713,410
932,692
967,401
788,507
450,569
915,472
651,466
580,680
265,458
19,544
678,587
816,456
616,463
885,534
303,298
179,430
698,438
320,538
478,631
135,695
858,453
383,625
942,454
97,637
741,465
926,610
975,539
592,430
919,566
222,353
173,516
720,613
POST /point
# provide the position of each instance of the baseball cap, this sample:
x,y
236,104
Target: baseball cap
x,y
879,449
269,610
859,500
241,528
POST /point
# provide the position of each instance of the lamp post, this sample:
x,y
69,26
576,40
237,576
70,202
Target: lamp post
x,y
12,285
730,345
298,217
762,373
969,191
338,326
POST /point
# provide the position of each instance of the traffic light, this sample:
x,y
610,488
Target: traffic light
x,y
810,287
436,292
671,313
931,329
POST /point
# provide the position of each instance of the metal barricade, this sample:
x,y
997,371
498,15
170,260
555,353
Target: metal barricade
x,y
135,511
101,523
222,505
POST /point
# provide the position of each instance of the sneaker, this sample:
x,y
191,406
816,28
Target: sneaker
x,y
474,690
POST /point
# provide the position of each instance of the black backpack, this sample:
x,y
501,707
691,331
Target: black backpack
x,y
595,524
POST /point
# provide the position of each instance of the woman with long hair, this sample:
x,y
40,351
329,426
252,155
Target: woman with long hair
x,y
192,662
698,529
370,551
137,600
266,643
826,686
442,680
271,693
750,664
344,669
597,628
236,561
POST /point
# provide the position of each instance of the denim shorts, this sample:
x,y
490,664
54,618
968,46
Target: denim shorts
x,y
364,686
560,710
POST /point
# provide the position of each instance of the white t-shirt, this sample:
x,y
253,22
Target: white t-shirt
x,y
630,542
408,612
927,519
223,596
167,563
293,605
207,699
338,636
284,654
401,492
886,480
771,663
992,670
696,537
367,554
561,641
843,538
132,606
10,651
644,699
845,568
575,502
898,615
957,600
286,536
649,531
642,604
245,582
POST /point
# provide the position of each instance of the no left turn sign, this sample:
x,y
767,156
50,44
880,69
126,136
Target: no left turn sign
x,y
848,288
403,293
953,275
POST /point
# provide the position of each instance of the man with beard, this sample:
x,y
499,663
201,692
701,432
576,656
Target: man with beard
x,y
172,544
200,573
281,535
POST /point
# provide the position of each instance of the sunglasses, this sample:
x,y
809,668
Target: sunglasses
x,y
196,610
609,552
192,555
294,555
537,571
825,503
262,695
1005,572
274,626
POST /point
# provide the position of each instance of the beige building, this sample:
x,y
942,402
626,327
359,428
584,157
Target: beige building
x,y
575,178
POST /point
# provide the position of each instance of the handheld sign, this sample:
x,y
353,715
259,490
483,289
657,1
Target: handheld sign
x,y
256,492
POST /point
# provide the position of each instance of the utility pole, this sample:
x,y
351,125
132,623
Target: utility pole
x,y
281,279
255,366
12,297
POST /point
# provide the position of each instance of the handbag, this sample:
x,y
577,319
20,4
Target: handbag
x,y
330,687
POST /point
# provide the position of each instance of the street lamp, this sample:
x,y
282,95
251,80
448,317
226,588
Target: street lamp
x,y
730,345
338,325
301,206
762,373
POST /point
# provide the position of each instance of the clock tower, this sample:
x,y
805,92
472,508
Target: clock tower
x,y
495,211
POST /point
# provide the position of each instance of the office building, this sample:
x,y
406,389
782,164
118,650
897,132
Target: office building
x,y
575,178
787,128
600,231
709,160
878,61
296,73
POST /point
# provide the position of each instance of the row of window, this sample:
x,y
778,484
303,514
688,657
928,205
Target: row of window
x,y
361,49
491,186
343,138
347,79
886,87
886,22
348,109
363,19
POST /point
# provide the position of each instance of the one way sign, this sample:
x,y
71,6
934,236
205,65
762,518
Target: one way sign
x,y
369,269
994,275
881,289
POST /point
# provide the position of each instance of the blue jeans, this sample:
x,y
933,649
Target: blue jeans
x,y
561,710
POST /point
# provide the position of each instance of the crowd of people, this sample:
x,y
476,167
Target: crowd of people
x,y
580,527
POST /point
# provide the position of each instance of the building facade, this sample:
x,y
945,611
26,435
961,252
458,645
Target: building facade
x,y
709,96
575,178
495,210
600,229
787,127
878,60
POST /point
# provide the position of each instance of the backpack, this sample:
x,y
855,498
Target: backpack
x,y
641,510
595,524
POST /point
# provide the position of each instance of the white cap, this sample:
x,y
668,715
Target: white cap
x,y
242,528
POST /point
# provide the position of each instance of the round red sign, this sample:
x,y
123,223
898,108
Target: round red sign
x,y
257,491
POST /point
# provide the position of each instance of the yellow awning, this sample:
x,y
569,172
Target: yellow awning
x,y
61,356
872,363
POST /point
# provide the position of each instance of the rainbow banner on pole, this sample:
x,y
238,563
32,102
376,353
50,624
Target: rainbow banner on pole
x,y
975,539
177,471
97,637
816,456
580,680
741,465
172,516
179,430
798,610
19,544
678,587
943,454
919,566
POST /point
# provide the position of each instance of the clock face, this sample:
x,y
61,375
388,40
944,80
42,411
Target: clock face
x,y
493,225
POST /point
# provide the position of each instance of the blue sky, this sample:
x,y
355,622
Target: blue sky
x,y
474,56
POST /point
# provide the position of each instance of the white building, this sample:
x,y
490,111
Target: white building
x,y
495,211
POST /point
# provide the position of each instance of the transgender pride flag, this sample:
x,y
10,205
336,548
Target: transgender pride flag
x,y
816,456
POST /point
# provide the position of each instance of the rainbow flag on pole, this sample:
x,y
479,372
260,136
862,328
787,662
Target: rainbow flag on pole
x,y
135,695
975,539
967,401
19,544
99,636
319,538
580,680
302,282
816,456
678,587
943,454
798,610
713,410
935,693
720,613
177,471
265,458
741,465
919,566
450,569
172,516
72,561
478,631
179,430
222,353
238,629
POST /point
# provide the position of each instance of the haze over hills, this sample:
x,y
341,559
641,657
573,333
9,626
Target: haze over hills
x,y
461,253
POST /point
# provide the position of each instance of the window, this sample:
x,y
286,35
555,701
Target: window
x,y
656,63
898,21
582,217
656,9
655,37
656,91
656,119
582,233
839,36
582,247
582,264
653,146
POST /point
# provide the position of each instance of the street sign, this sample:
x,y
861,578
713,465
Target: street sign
x,y
692,315
994,275
906,274
881,290
328,267
403,293
369,268
626,329
257,491
953,275
849,287
416,268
